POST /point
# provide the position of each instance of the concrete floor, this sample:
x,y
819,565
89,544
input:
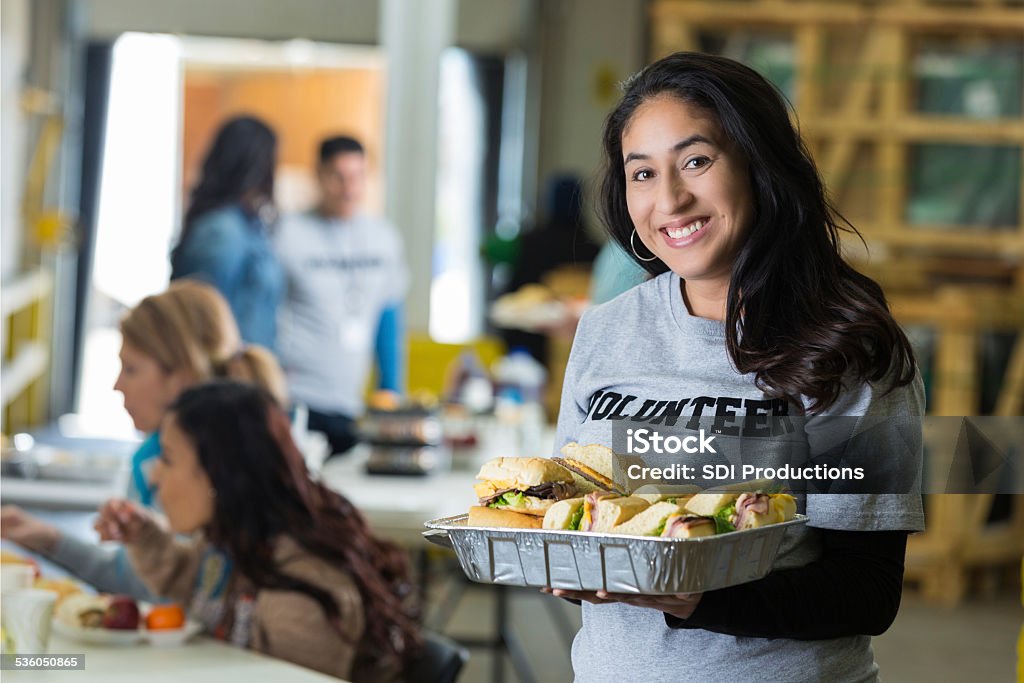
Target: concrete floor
x,y
975,642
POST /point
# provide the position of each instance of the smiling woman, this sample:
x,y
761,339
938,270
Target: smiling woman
x,y
689,200
709,186
715,142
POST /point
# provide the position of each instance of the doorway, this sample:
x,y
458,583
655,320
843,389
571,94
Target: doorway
x,y
168,94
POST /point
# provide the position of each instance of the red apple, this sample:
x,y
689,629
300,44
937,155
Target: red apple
x,y
122,614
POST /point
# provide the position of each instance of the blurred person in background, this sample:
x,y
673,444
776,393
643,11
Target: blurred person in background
x,y
614,272
309,583
170,341
345,280
225,239
561,239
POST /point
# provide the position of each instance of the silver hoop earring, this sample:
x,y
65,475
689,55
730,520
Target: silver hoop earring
x,y
632,245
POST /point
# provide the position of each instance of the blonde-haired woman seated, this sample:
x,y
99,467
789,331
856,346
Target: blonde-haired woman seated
x,y
170,342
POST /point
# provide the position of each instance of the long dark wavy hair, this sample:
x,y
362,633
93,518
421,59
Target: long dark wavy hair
x,y
263,490
798,316
239,167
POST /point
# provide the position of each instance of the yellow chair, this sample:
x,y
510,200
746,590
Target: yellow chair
x,y
429,361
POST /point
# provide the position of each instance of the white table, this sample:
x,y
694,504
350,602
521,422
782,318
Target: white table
x,y
59,495
397,506
202,660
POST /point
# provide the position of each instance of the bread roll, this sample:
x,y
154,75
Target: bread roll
x,y
522,473
490,517
707,504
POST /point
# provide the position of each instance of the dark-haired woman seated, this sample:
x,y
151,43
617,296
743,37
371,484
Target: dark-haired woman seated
x,y
306,581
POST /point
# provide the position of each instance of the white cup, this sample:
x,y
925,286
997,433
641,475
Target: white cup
x,y
15,577
27,615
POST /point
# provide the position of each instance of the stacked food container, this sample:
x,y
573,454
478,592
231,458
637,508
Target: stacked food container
x,y
405,441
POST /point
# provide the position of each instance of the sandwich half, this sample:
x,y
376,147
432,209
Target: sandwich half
x,y
754,510
527,486
565,515
736,511
602,510
710,501
648,522
709,504
591,467
688,526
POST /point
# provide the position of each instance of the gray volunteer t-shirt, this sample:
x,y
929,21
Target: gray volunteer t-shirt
x,y
645,344
340,276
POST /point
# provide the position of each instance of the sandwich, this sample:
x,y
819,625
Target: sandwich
x,y
710,501
520,487
64,588
83,610
732,511
648,522
591,467
602,510
688,526
755,510
565,515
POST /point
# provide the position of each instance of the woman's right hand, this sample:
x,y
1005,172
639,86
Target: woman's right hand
x,y
121,520
28,531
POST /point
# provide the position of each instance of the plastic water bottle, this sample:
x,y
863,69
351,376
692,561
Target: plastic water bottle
x,y
519,374
469,385
520,381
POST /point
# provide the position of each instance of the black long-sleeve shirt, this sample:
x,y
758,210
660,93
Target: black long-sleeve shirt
x,y
854,588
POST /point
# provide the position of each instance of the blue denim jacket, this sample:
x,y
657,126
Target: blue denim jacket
x,y
231,250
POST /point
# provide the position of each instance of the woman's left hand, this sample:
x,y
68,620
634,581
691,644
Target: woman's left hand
x,y
121,520
679,605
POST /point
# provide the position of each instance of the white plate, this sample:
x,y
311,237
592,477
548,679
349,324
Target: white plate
x,y
171,637
97,636
123,638
530,318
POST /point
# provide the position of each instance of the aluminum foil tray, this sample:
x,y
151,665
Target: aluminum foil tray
x,y
577,560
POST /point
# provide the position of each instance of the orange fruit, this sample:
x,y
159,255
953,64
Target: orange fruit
x,y
164,617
